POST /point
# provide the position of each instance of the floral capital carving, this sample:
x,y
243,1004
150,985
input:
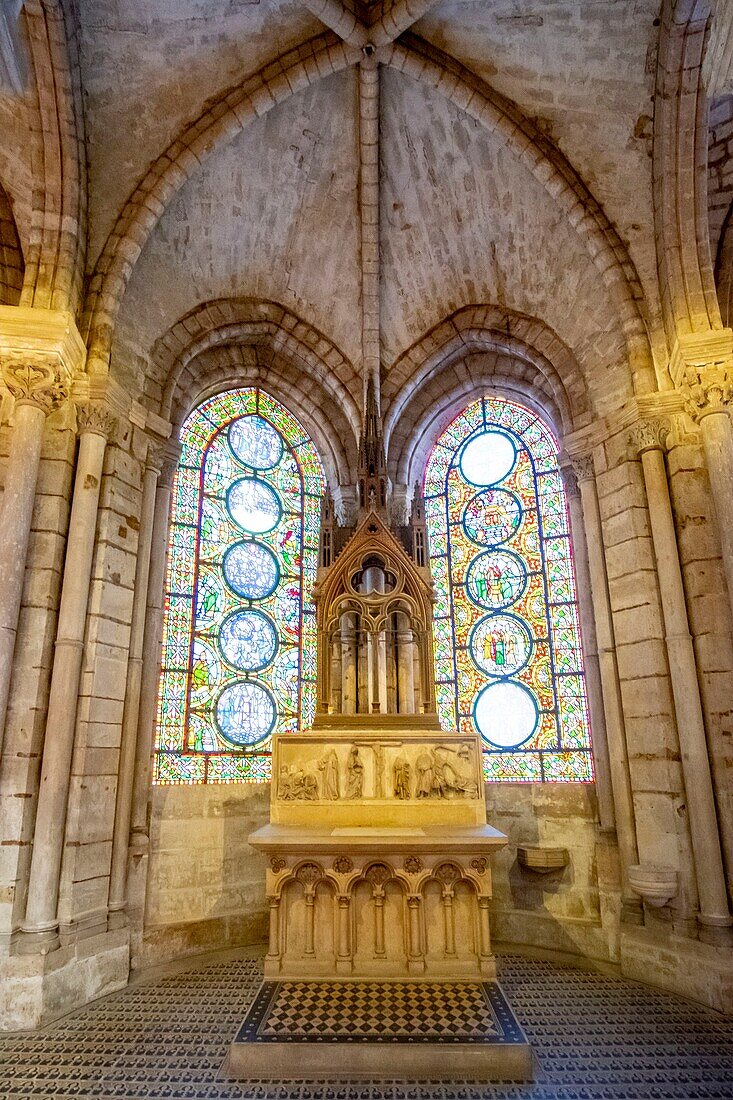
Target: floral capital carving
x,y
709,389
94,418
37,384
583,468
649,435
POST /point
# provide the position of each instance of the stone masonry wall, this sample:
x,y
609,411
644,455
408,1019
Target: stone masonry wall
x,y
206,885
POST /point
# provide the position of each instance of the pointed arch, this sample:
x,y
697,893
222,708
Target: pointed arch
x,y
475,348
219,123
11,254
426,64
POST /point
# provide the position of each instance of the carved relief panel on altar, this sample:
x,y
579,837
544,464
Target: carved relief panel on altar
x,y
350,771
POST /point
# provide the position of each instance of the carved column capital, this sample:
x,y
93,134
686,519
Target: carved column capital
x,y
583,468
709,389
35,381
648,435
94,418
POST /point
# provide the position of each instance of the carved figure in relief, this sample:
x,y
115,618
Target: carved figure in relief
x,y
401,777
424,769
354,774
440,777
378,753
328,766
296,783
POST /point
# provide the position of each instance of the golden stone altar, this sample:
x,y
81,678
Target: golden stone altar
x,y
379,853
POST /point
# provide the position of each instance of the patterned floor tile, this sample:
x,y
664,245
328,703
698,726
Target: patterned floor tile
x,y
595,1037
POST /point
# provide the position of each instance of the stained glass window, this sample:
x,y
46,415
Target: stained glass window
x,y
239,633
508,657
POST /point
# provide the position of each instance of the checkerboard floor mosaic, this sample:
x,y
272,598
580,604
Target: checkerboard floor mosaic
x,y
595,1038
379,1012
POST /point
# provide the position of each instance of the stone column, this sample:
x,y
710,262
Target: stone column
x,y
405,665
343,959
415,960
273,946
336,676
126,771
151,660
484,927
611,689
599,736
714,916
379,950
37,391
711,406
40,926
348,665
449,933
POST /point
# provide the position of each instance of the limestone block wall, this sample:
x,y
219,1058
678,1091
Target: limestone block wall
x,y
206,885
565,910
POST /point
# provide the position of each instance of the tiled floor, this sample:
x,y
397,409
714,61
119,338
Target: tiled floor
x,y
595,1037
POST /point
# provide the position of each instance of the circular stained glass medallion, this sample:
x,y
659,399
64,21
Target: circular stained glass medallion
x,y
245,713
255,442
492,517
251,570
500,644
248,640
254,505
488,458
506,714
496,579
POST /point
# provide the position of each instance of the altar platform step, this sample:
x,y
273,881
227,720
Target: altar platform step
x,y
380,1030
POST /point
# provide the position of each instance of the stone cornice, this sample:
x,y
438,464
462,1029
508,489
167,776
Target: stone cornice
x,y
46,338
664,405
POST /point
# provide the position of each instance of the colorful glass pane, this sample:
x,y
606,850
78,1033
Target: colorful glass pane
x,y
239,635
508,656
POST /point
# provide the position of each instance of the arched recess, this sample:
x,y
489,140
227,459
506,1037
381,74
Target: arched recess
x,y
54,269
689,300
415,58
11,254
233,342
227,116
724,271
475,348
